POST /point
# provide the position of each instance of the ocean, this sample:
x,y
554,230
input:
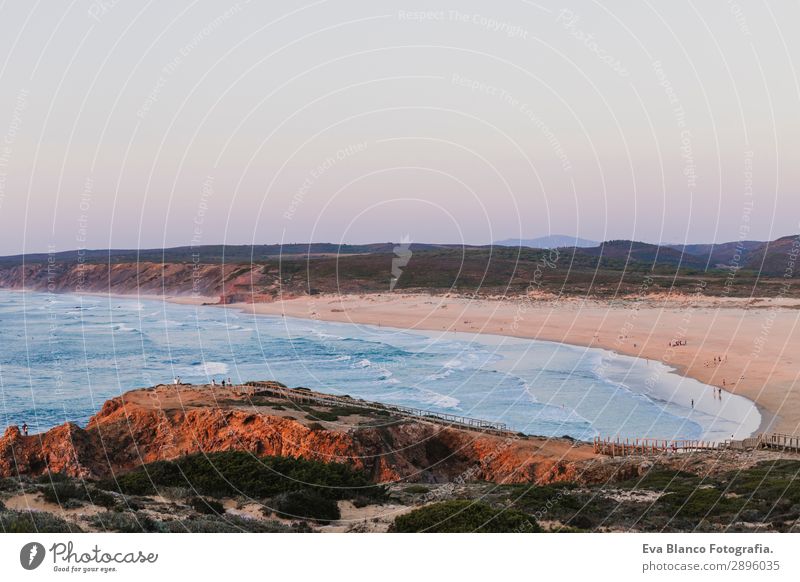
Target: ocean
x,y
62,356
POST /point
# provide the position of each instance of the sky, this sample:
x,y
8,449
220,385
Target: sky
x,y
138,125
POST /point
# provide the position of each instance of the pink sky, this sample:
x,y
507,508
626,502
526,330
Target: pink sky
x,y
130,126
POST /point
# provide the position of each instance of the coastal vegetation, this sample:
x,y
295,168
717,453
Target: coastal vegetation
x,y
233,473
295,495
463,516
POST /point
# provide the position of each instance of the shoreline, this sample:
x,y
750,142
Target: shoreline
x,y
578,323
766,418
406,310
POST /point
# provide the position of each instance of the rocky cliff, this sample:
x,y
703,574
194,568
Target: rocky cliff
x,y
167,422
127,278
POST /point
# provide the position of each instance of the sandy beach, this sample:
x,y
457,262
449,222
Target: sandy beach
x,y
747,347
744,346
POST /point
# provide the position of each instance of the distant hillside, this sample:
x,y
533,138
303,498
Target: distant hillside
x,y
211,253
267,272
722,254
767,258
640,252
776,258
553,241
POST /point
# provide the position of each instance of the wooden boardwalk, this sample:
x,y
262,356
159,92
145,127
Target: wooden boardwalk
x,y
781,442
303,396
618,447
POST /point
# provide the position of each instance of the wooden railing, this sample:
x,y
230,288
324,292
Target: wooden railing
x,y
783,442
615,447
308,397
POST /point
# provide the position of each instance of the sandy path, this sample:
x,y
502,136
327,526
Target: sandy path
x,y
758,341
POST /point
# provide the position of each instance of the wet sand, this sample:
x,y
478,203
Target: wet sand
x,y
746,347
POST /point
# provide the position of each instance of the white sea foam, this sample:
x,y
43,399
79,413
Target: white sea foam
x,y
537,387
432,398
441,375
212,368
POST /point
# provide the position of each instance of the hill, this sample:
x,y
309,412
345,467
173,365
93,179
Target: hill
x,y
265,272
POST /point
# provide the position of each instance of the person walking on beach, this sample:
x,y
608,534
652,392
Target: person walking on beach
x,y
25,428
692,402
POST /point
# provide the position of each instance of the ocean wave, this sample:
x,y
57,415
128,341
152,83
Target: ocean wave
x,y
210,368
432,398
124,328
325,336
561,413
441,375
131,306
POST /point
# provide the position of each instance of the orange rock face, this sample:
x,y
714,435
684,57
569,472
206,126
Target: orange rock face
x,y
144,278
165,423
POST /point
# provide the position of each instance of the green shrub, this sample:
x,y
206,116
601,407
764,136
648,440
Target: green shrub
x,y
417,489
701,503
460,516
666,480
102,499
206,506
557,499
305,504
770,481
9,484
323,415
34,522
137,482
234,473
62,491
125,522
361,501
47,478
231,524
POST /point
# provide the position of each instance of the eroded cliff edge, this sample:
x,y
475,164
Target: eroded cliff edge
x,y
167,422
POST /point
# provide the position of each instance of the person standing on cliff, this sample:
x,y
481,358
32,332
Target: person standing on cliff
x,y
25,428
